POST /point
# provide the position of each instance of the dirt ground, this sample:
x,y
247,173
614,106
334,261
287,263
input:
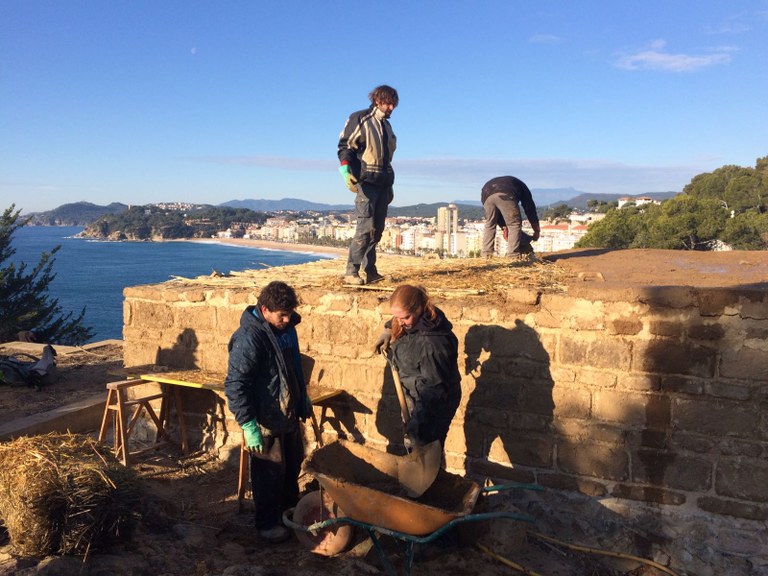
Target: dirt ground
x,y
80,373
645,267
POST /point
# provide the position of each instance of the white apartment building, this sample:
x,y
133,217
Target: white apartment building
x,y
420,236
446,228
638,201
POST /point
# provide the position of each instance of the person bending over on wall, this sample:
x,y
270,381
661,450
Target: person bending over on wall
x,y
501,198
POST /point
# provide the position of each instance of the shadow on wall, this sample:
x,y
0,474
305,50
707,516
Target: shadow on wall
x,y
183,353
509,413
657,474
509,426
343,407
213,425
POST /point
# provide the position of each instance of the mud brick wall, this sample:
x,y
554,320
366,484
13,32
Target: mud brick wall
x,y
643,410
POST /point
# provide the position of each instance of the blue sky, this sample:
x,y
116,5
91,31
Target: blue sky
x,y
149,101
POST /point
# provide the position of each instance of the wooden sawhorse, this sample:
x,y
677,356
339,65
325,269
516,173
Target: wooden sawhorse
x,y
170,391
170,382
125,414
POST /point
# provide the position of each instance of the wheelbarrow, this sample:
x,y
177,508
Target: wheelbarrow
x,y
359,488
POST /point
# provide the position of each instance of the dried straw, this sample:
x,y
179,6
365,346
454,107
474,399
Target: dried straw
x,y
64,494
448,278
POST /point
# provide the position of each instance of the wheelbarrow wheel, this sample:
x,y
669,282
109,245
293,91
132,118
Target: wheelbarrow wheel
x,y
315,507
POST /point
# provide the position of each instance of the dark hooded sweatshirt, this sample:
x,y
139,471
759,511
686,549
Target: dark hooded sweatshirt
x,y
426,358
264,378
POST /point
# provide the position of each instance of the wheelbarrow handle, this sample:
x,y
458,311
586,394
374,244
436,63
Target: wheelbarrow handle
x,y
510,486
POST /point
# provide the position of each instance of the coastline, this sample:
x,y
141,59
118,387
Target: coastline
x,y
271,245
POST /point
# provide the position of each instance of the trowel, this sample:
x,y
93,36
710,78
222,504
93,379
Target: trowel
x,y
417,470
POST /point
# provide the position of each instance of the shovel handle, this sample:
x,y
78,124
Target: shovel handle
x,y
400,394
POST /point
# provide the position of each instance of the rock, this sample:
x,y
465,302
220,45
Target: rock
x,y
57,566
244,570
233,552
118,565
192,535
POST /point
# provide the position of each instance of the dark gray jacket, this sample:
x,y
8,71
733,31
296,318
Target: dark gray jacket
x,y
426,358
259,385
517,190
367,145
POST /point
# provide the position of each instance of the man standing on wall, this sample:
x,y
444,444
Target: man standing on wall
x,y
266,392
501,199
366,147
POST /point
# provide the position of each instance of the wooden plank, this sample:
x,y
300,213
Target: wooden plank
x,y
189,379
319,395
215,381
136,371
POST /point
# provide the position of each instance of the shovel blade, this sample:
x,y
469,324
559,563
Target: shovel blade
x,y
417,471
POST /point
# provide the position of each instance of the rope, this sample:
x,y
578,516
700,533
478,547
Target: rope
x,y
603,552
507,561
576,547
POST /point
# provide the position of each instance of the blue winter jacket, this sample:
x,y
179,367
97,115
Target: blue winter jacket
x,y
258,386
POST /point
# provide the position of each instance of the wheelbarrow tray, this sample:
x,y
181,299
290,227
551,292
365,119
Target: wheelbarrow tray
x,y
362,481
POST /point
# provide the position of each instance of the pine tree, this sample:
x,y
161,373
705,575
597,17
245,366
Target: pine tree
x,y
24,300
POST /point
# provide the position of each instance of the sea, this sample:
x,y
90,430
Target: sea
x,y
92,274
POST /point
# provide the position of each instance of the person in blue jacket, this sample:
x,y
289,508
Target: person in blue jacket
x,y
267,394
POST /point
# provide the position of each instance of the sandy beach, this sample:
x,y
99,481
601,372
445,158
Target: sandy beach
x,y
287,246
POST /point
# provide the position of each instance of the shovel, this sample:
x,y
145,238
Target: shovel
x,y
417,470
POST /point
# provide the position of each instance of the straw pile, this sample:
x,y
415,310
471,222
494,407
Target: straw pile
x,y
449,278
64,494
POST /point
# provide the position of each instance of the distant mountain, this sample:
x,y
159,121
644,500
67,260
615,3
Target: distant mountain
x,y
85,213
293,204
75,214
542,196
547,196
155,222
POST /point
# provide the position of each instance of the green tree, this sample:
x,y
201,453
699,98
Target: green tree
x,y
747,231
557,213
24,300
738,188
617,230
725,205
600,206
682,223
742,192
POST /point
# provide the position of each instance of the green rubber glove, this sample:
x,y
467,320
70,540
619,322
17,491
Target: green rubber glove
x,y
253,439
349,178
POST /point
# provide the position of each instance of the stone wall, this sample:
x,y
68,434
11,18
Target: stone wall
x,y
644,411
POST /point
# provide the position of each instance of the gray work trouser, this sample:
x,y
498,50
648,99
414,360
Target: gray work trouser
x,y
371,203
504,207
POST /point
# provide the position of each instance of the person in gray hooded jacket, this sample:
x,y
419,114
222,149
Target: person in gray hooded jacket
x,y
366,146
266,392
